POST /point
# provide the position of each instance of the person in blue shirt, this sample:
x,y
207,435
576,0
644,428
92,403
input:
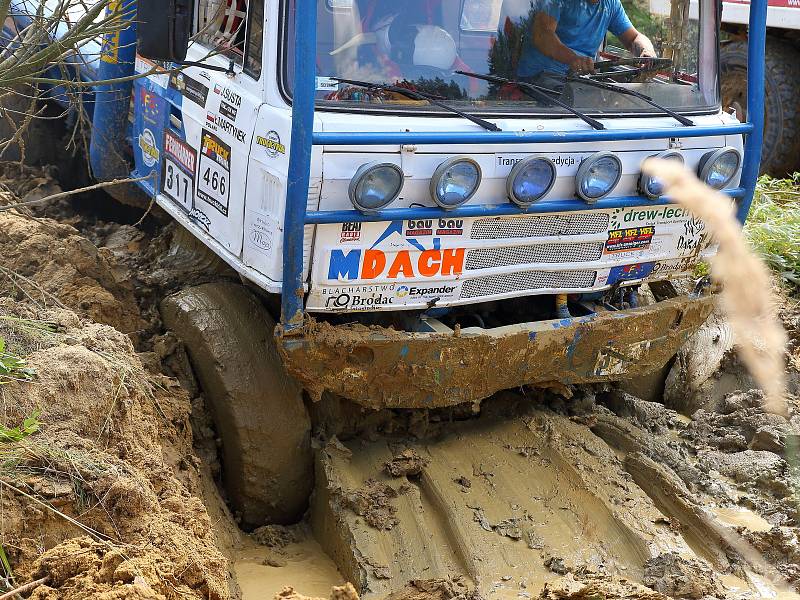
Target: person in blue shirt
x,y
566,35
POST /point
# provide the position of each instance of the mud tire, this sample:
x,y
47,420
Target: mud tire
x,y
782,88
257,407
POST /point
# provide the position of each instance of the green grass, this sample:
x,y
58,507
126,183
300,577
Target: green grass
x,y
773,227
12,367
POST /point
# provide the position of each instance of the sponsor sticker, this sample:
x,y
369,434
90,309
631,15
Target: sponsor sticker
x,y
189,88
229,95
327,84
657,215
157,74
351,233
177,181
404,264
198,217
419,228
228,111
180,151
627,240
271,142
629,272
151,106
216,122
214,174
147,144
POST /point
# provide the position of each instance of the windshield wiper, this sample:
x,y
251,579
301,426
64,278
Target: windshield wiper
x,y
415,95
621,90
538,93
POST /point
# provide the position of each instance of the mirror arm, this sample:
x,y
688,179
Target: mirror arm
x,y
228,71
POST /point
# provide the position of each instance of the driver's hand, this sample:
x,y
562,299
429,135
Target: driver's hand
x,y
582,65
647,54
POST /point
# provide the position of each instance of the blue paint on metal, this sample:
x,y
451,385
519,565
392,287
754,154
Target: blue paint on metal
x,y
403,351
573,345
757,36
487,210
110,118
522,137
305,46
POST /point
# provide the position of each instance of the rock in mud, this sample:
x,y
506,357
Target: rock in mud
x,y
338,592
434,589
596,587
759,468
733,426
650,416
275,536
673,575
781,547
374,502
406,464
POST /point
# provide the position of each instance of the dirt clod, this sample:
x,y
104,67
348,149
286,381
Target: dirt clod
x,y
676,576
406,464
373,501
339,592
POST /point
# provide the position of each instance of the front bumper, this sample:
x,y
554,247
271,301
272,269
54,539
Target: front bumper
x,y
382,368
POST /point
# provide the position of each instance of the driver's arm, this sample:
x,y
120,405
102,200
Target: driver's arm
x,y
548,43
637,43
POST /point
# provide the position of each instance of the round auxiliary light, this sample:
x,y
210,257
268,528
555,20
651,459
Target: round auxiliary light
x,y
652,187
597,176
530,180
375,185
455,181
718,167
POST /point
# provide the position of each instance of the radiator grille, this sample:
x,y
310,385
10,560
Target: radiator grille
x,y
542,253
530,280
541,225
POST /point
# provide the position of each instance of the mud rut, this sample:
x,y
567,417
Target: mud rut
x,y
602,495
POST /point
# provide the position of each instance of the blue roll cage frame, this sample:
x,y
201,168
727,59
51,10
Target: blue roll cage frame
x,y
303,138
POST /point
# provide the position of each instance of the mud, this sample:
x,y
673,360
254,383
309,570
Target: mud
x,y
530,495
51,264
382,368
104,500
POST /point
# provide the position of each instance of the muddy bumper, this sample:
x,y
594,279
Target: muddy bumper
x,y
383,368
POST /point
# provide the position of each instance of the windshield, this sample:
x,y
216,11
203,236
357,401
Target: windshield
x,y
658,48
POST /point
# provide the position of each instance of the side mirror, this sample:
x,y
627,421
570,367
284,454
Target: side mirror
x,y
163,29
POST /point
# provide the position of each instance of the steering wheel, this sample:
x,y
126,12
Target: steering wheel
x,y
628,69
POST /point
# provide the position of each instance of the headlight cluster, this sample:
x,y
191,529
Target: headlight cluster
x,y
376,185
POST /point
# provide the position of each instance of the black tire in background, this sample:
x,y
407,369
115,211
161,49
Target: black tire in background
x,y
781,152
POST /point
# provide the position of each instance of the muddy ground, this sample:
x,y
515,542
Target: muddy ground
x,y
603,495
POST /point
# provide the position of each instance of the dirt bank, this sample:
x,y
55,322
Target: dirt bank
x,y
103,500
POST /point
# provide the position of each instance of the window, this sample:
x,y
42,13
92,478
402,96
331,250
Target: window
x,y
255,39
220,25
443,47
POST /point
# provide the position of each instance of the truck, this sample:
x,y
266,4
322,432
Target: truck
x,y
416,227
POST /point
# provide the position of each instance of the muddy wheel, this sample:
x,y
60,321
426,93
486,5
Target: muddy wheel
x,y
782,88
257,408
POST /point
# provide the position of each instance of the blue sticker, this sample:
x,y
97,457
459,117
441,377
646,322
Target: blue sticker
x,y
630,272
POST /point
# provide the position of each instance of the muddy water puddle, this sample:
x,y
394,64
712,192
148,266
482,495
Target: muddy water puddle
x,y
303,565
738,516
